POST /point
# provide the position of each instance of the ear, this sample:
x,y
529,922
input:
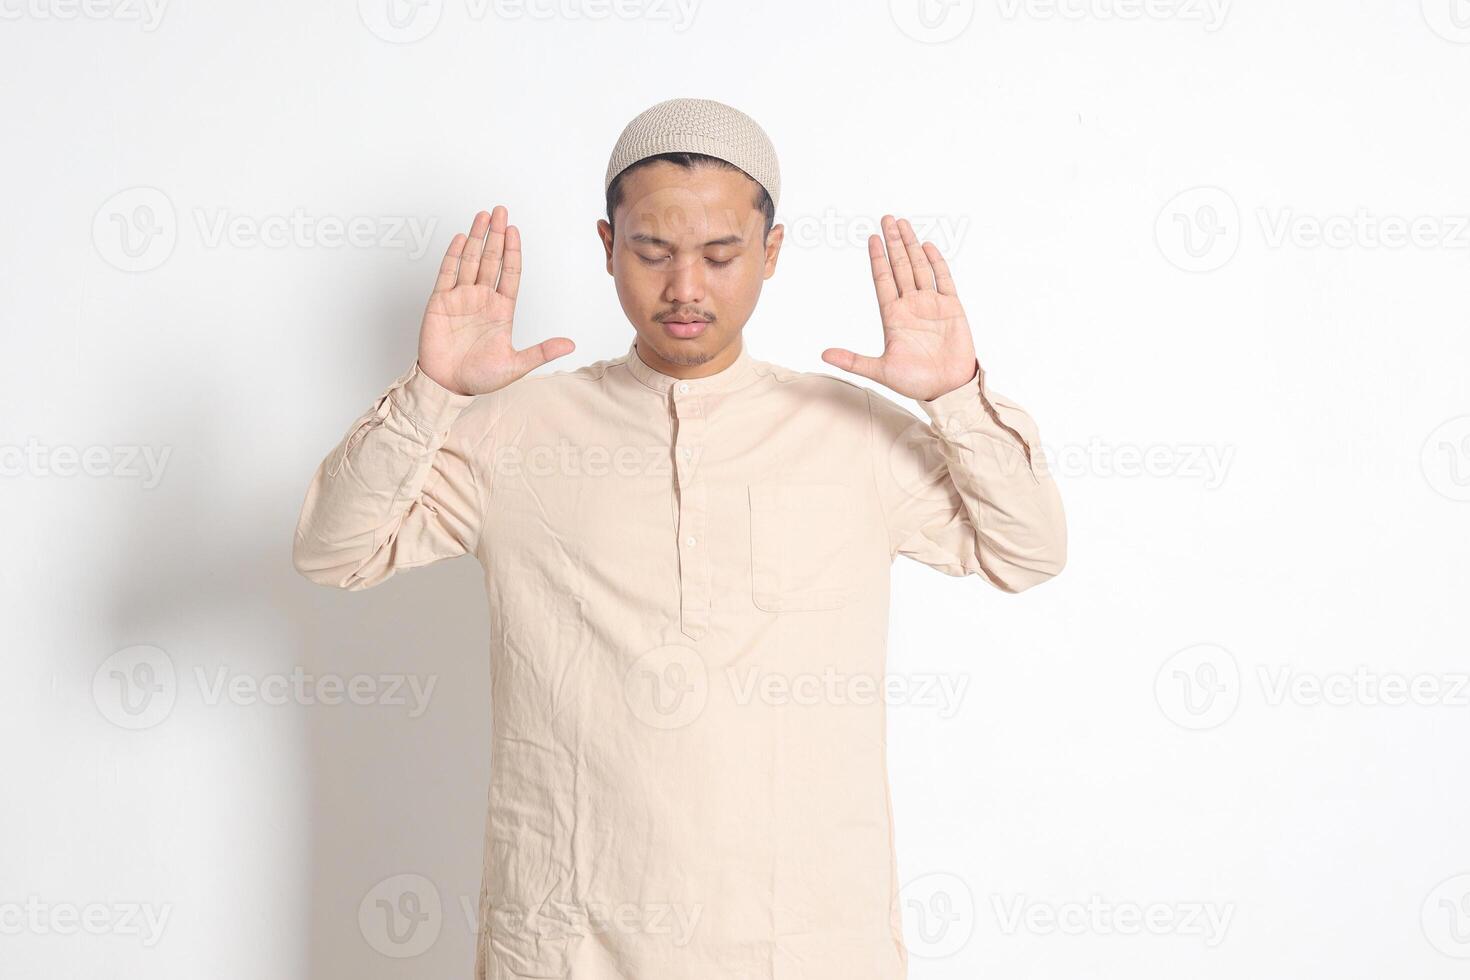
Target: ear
x,y
605,232
773,248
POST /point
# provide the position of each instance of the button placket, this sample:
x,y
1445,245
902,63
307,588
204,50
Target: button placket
x,y
694,568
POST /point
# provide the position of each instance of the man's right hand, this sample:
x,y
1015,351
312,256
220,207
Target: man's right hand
x,y
464,342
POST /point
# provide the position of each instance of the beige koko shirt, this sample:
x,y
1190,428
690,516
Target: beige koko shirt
x,y
688,586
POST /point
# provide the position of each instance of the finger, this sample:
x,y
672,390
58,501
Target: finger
x,y
860,364
449,268
882,274
494,249
903,273
469,262
528,360
923,274
510,273
942,279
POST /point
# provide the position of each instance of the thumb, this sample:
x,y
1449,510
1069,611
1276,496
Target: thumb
x,y
528,360
859,364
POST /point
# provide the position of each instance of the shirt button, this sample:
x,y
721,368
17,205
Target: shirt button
x,y
689,541
683,387
684,452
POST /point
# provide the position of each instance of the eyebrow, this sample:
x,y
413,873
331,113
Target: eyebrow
x,y
641,238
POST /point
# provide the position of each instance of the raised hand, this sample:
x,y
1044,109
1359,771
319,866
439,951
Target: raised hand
x,y
464,342
927,346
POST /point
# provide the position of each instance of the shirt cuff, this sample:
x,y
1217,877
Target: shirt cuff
x,y
960,409
967,409
429,404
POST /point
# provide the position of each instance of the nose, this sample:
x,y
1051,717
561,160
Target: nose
x,y
686,282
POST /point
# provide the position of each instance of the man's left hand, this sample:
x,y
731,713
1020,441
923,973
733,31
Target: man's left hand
x,y
928,350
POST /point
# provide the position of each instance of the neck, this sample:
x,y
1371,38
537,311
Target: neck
x,y
722,359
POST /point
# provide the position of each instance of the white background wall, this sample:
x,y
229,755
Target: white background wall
x,y
1262,439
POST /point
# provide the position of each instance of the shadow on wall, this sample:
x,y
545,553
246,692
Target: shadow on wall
x,y
357,721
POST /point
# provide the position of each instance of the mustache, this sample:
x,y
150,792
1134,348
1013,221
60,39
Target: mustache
x,y
685,316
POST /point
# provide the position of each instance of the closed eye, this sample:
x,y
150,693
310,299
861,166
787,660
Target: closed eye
x,y
646,260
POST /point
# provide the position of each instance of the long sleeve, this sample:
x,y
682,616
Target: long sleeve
x,y
397,492
968,492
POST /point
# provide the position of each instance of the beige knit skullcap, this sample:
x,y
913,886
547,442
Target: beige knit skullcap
x,y
698,126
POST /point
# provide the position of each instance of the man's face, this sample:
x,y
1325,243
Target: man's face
x,y
689,259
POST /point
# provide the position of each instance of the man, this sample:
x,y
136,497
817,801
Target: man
x,y
687,555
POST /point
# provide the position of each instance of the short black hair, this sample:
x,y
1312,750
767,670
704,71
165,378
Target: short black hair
x,y
689,161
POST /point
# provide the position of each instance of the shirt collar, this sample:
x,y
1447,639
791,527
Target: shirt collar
x,y
726,379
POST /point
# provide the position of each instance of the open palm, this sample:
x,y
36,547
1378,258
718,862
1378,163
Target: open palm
x,y
928,349
465,339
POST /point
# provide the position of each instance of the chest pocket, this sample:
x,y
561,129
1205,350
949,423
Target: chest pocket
x,y
801,545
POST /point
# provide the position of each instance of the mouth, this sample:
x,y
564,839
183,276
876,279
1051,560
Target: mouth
x,y
685,329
